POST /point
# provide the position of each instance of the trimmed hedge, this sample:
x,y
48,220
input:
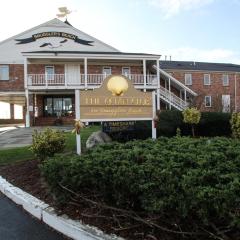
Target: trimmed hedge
x,y
196,181
211,124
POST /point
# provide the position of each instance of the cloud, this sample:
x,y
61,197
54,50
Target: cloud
x,y
204,55
174,7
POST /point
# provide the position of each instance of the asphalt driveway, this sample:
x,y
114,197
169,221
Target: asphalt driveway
x,y
20,137
15,224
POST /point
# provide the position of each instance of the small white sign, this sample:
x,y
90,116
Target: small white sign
x,y
30,108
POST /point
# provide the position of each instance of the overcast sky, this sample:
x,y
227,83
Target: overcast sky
x,y
199,30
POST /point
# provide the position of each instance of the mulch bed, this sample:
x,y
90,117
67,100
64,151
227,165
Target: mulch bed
x,y
26,175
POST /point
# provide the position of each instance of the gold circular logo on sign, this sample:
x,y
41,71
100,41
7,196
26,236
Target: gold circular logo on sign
x,y
118,85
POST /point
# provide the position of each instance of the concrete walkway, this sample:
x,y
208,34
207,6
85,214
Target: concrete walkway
x,y
20,137
15,224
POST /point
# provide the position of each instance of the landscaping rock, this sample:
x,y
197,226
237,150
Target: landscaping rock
x,y
96,138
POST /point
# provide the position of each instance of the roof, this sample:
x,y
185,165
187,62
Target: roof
x,y
203,66
91,52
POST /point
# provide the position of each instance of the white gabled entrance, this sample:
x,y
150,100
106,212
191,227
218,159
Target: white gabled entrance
x,y
72,71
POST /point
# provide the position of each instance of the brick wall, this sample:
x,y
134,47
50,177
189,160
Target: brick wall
x,y
16,79
40,68
216,89
16,73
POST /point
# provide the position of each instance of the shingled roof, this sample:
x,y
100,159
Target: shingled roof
x,y
203,66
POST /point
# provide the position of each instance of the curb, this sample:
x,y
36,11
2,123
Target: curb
x,y
43,212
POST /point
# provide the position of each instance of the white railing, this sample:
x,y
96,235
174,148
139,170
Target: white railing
x,y
46,79
92,79
172,98
95,79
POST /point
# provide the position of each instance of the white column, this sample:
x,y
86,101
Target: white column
x,y
25,73
158,85
169,89
65,75
77,113
144,74
27,116
154,130
85,72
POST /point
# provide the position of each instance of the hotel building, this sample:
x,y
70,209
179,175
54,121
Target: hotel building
x,y
43,70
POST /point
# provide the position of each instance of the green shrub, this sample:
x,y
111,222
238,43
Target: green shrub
x,y
180,178
235,125
47,143
211,124
168,123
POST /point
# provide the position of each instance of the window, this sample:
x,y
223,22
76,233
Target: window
x,y
4,72
5,110
126,71
49,72
206,79
226,100
188,79
58,106
225,80
107,71
208,101
18,111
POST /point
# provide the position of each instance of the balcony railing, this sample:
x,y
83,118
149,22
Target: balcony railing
x,y
92,80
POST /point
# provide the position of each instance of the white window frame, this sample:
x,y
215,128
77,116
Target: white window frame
x,y
209,79
8,77
107,68
210,98
188,75
129,69
225,84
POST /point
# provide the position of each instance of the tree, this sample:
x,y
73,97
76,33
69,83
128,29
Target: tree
x,y
235,125
191,116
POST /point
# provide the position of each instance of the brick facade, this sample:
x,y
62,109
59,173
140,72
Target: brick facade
x,y
16,79
215,90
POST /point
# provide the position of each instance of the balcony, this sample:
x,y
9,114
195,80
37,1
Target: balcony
x,y
61,81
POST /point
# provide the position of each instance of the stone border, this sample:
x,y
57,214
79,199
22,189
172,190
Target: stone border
x,y
43,212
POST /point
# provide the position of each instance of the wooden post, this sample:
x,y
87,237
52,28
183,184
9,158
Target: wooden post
x,y
158,85
77,112
154,129
27,118
85,72
144,74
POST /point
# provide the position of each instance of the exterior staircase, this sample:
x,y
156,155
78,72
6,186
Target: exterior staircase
x,y
171,98
168,96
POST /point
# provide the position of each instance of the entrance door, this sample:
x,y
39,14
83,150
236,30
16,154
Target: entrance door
x,y
226,103
72,74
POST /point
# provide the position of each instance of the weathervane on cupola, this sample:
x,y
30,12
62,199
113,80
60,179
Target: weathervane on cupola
x,y
65,36
64,12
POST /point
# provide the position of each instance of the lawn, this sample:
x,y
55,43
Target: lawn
x,y
8,156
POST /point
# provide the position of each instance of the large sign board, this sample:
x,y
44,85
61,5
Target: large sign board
x,y
116,99
64,35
